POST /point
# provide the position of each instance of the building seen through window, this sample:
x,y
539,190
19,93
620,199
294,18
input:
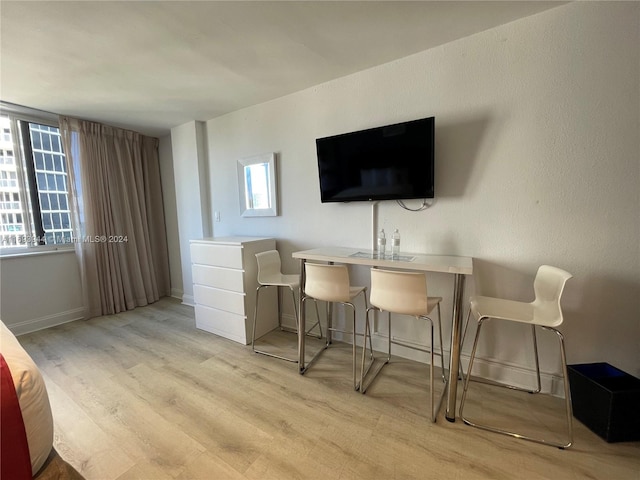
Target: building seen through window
x,y
34,195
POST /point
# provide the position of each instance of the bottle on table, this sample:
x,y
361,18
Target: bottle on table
x,y
382,243
395,245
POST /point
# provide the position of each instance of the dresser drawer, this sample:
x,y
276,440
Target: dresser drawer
x,y
229,256
225,324
223,278
226,300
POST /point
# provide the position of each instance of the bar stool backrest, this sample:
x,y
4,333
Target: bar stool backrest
x,y
399,292
269,266
548,286
329,283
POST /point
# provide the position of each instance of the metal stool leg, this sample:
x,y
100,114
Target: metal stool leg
x,y
490,428
253,335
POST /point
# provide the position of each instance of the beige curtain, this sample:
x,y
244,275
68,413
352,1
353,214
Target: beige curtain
x,y
114,178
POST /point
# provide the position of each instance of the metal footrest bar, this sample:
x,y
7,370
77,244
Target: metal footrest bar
x,y
309,334
568,409
493,383
313,360
364,386
269,354
353,333
314,335
424,350
317,324
282,327
516,435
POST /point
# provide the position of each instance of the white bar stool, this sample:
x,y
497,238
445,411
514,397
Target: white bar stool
x,y
405,293
330,283
270,275
544,312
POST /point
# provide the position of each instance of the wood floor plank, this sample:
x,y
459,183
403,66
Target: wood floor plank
x,y
100,457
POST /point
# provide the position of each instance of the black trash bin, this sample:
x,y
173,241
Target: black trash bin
x,y
607,400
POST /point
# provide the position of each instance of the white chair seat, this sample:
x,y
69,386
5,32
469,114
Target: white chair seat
x,y
281,280
501,309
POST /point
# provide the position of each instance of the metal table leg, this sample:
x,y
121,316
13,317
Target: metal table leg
x,y
302,321
454,360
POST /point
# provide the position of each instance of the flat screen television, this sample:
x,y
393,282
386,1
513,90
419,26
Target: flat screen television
x,y
393,162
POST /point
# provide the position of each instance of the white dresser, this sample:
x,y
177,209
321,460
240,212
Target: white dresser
x,y
224,287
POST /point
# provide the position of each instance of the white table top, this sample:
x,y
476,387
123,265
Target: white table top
x,y
407,261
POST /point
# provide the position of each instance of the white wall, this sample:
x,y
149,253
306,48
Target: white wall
x,y
40,290
192,195
171,215
537,127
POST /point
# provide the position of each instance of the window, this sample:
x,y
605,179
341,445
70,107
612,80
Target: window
x,y
34,195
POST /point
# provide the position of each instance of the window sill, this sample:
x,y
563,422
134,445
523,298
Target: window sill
x,y
36,251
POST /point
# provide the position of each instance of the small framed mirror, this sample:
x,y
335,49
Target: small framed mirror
x,y
257,186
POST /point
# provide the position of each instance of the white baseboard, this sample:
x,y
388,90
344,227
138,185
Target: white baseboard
x,y
33,325
176,293
189,300
288,321
517,375
493,369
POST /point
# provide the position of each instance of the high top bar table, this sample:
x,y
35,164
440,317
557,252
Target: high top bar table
x,y
454,265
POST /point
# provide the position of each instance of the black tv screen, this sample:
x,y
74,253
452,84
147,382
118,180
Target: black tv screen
x,y
393,162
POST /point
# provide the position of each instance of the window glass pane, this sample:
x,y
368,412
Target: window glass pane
x,y
62,201
39,160
48,162
53,200
41,179
66,223
60,183
57,222
44,201
36,141
46,221
46,142
57,163
51,181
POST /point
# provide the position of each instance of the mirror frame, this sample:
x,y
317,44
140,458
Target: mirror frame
x,y
245,210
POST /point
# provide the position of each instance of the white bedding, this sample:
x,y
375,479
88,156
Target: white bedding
x,y
32,396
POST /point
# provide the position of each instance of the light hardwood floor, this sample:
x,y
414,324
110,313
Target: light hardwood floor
x,y
145,395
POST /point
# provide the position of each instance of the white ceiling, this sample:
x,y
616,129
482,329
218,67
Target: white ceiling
x,y
150,65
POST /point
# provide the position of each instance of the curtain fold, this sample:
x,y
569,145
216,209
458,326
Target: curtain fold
x,y
114,180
